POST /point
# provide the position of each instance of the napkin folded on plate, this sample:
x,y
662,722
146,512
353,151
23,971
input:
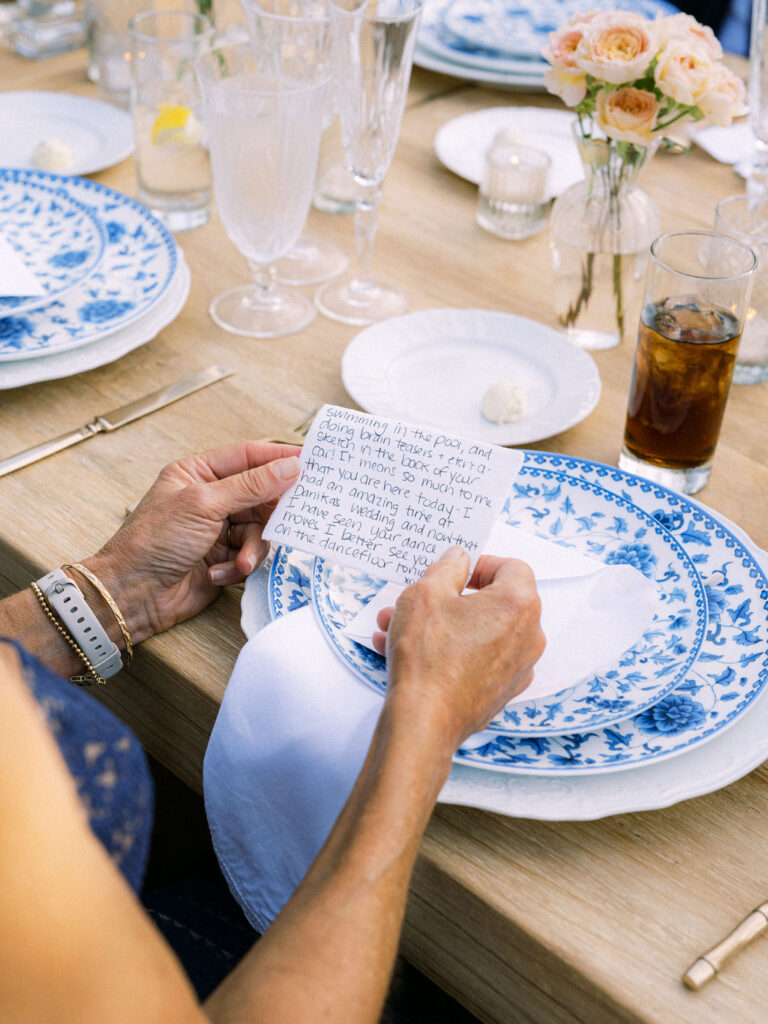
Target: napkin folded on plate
x,y
295,723
732,144
16,279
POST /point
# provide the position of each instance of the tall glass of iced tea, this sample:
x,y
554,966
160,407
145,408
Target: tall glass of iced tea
x,y
696,296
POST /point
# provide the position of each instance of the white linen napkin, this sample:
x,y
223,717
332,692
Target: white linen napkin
x,y
16,279
734,144
295,722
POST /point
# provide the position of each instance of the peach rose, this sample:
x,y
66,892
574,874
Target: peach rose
x,y
684,26
561,48
571,88
685,72
628,114
617,47
727,100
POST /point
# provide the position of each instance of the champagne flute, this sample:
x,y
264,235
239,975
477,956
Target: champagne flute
x,y
264,135
374,42
290,34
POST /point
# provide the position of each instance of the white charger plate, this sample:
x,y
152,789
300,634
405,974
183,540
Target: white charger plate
x,y
107,350
461,144
98,134
434,367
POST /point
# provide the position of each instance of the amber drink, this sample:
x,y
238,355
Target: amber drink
x,y
684,361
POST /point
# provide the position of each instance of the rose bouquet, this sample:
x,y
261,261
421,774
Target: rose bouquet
x,y
629,79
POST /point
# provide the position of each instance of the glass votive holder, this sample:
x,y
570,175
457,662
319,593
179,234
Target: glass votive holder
x,y
746,220
513,199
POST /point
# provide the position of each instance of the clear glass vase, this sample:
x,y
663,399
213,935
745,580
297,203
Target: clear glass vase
x,y
600,232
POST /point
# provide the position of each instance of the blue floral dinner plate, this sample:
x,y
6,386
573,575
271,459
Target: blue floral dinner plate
x,y
601,525
60,240
513,28
135,271
290,578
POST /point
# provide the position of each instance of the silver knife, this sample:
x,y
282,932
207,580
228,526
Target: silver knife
x,y
117,418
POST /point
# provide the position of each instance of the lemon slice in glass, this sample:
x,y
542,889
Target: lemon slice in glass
x,y
175,123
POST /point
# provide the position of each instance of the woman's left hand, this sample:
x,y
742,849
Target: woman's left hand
x,y
198,528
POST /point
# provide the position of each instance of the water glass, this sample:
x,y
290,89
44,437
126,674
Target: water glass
x,y
264,134
172,163
697,293
109,46
747,221
42,28
513,199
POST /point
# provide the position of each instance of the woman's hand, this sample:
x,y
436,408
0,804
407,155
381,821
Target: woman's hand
x,y
455,659
197,529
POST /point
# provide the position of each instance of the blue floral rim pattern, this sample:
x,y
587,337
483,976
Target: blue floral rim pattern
x,y
289,581
135,271
59,239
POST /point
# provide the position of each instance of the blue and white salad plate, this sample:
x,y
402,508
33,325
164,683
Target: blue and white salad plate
x,y
59,239
290,581
601,525
513,29
135,272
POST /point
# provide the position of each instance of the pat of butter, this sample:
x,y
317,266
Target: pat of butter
x,y
53,154
504,402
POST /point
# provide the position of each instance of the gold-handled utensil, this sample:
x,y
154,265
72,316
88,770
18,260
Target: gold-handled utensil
x,y
711,963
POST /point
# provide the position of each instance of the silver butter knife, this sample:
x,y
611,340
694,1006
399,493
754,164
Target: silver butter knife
x,y
116,418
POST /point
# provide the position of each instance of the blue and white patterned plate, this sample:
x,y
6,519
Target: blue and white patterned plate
x,y
59,240
729,673
135,271
599,524
516,29
289,581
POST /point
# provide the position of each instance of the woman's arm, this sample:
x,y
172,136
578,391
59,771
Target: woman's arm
x,y
76,945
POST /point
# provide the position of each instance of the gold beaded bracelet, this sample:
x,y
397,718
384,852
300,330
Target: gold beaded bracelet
x,y
92,676
94,580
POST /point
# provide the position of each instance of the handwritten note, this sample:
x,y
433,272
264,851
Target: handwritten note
x,y
390,497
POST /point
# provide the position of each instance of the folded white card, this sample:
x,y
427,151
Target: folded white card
x,y
590,612
16,279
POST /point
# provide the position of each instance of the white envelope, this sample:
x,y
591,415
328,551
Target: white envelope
x,y
16,279
590,612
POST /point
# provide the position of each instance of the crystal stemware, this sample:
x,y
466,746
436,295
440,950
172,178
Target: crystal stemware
x,y
264,134
374,41
290,34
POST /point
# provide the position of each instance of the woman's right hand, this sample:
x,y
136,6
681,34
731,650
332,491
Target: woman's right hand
x,y
456,659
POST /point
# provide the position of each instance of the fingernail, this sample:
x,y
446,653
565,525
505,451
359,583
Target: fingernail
x,y
216,575
285,469
454,553
251,562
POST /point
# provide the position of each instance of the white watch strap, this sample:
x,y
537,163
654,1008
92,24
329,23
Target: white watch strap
x,y
66,599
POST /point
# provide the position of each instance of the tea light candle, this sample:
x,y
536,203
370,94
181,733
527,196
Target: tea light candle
x,y
513,191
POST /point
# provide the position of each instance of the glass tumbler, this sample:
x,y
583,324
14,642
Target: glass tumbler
x,y
172,163
697,292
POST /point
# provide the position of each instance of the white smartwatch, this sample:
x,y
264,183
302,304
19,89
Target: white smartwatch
x,y
66,599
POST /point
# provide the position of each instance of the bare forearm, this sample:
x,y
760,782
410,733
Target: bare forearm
x,y
329,954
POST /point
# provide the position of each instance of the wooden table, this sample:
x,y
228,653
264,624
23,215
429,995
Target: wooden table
x,y
523,921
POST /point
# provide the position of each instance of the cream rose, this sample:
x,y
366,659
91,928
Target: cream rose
x,y
571,88
616,47
727,100
627,115
685,72
561,48
684,26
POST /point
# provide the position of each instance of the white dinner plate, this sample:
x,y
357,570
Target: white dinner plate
x,y
98,134
107,350
434,367
461,144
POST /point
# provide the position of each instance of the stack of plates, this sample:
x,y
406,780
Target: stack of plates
x,y
500,41
681,713
112,273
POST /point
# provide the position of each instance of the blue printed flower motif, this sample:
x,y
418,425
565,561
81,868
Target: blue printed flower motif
x,y
103,309
70,259
672,715
716,602
115,231
12,330
638,555
670,520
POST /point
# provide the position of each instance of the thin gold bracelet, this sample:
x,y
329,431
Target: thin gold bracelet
x,y
111,604
93,676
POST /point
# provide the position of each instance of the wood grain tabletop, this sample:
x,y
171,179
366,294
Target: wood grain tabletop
x,y
523,921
